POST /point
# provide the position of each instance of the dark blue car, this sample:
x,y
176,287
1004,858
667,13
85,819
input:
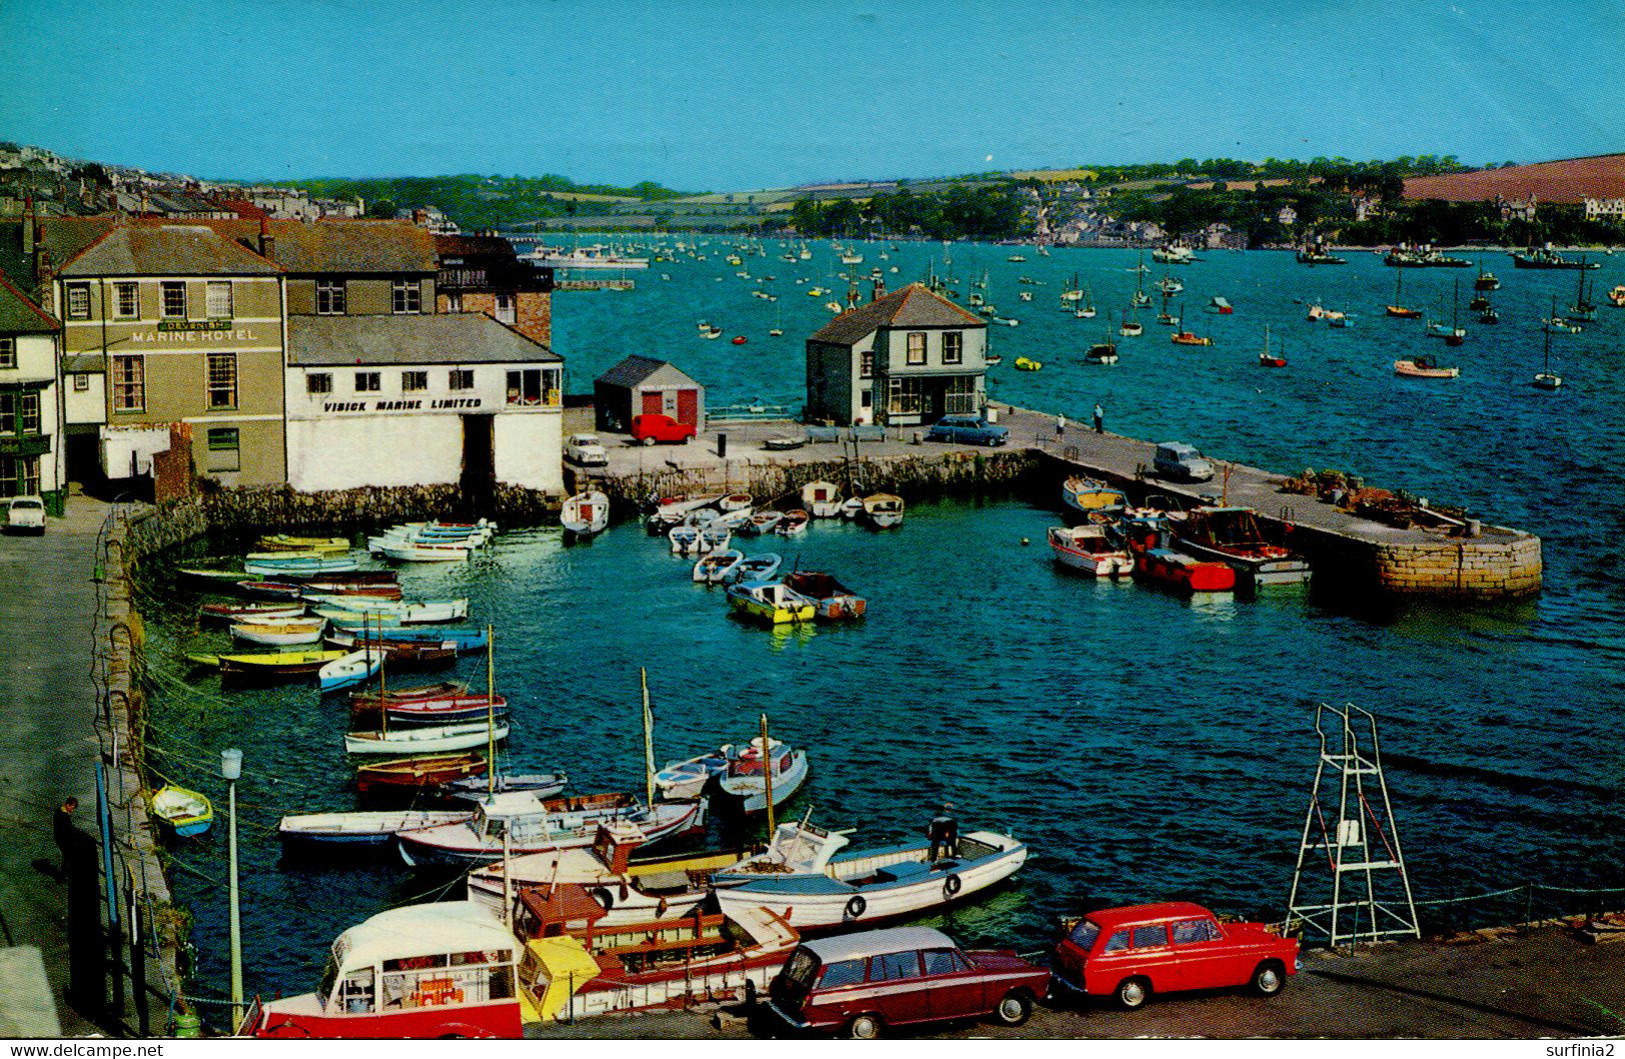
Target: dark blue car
x,y
968,430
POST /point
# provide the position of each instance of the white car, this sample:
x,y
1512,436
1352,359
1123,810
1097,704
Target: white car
x,y
586,450
25,514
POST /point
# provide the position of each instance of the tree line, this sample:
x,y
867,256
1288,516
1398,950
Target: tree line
x,y
987,212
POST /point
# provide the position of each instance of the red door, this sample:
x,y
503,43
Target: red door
x,y
651,402
688,407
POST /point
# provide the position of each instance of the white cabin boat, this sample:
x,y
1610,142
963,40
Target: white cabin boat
x,y
744,781
585,513
519,823
821,499
1087,548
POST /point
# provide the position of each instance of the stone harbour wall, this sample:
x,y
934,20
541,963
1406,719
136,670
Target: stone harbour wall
x,y
1501,564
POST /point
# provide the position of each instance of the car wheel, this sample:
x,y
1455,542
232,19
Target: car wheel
x,y
1268,979
864,1028
1133,993
991,441
650,440
1014,1009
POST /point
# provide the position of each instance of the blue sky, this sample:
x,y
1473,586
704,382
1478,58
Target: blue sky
x,y
776,92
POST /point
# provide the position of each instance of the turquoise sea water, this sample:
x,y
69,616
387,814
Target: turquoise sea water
x,y
1146,746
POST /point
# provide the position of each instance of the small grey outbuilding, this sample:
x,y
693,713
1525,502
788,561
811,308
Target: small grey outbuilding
x,y
642,386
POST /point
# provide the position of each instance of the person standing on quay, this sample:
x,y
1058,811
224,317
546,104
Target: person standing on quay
x,y
1060,427
1100,419
65,833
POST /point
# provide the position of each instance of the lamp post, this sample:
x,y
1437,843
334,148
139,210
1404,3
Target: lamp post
x,y
231,767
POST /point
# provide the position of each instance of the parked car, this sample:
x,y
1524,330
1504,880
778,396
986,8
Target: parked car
x,y
1131,953
586,450
654,427
968,430
1181,462
862,983
25,514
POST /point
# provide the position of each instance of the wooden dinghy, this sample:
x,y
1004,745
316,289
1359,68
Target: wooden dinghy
x,y
280,632
883,510
367,827
249,611
414,773
398,653
357,667
434,740
283,542
183,811
267,665
371,699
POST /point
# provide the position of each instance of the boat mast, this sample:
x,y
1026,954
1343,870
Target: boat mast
x,y
383,678
648,739
491,726
767,774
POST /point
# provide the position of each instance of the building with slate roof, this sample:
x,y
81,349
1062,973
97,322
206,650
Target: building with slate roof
x,y
30,412
645,386
906,358
483,274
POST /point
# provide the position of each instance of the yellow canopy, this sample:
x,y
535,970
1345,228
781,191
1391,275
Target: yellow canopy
x,y
568,967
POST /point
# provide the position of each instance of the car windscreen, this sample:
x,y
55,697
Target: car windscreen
x,y
1084,934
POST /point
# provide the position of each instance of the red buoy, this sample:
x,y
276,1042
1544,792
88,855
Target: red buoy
x,y
739,340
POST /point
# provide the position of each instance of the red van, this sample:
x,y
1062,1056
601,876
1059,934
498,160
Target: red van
x,y
1130,953
862,983
654,427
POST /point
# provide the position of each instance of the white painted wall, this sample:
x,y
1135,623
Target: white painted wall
x,y
530,450
90,405
343,453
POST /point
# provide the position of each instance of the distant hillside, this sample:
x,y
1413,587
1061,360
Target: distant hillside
x,y
475,201
1569,180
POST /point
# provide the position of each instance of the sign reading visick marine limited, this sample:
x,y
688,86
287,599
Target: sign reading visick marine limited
x,y
413,405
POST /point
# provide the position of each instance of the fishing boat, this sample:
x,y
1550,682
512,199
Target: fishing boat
x,y
357,667
1189,338
1266,359
685,540
411,774
759,567
1102,352
852,507
821,499
715,536
717,566
1090,549
235,612
1086,496
745,784
761,522
816,888
585,514
883,510
1317,255
1486,280
365,827
515,824
283,542
1545,378
1155,559
770,602
1398,308
184,812
576,964
793,524
436,740
1232,535
1130,328
268,665
832,600
1424,367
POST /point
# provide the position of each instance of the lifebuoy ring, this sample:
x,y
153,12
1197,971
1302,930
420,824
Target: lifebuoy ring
x,y
951,885
604,897
855,907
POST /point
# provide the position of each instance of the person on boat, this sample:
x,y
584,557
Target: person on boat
x,y
1100,419
944,832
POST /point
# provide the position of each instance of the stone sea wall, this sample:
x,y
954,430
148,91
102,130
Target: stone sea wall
x,y
1502,563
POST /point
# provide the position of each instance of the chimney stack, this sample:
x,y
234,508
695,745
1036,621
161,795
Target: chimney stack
x,y
267,240
28,225
879,289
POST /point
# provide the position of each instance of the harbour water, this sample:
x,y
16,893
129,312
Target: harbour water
x,y
1146,746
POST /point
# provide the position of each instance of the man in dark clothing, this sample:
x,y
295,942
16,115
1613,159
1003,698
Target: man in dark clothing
x,y
1100,419
944,832
67,836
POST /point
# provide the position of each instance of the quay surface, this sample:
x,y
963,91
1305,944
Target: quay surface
x,y
1499,563
1519,986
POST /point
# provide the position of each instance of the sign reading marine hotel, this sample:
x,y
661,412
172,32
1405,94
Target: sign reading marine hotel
x,y
183,332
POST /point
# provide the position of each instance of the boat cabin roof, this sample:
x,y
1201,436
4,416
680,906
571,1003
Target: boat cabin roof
x,y
423,930
877,943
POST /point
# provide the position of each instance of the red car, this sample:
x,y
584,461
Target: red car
x,y
862,983
654,427
1130,953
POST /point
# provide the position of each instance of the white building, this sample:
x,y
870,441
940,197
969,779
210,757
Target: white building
x,y
421,400
30,412
1598,208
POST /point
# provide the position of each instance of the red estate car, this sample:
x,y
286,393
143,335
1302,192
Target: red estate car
x,y
654,427
1130,953
861,983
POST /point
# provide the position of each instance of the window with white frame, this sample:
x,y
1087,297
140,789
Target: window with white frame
x,y
78,301
8,351
916,347
367,382
224,447
126,300
505,310
222,380
904,397
30,411
866,364
19,475
81,381
462,379
330,297
414,381
533,386
219,299
408,296
129,384
319,382
174,303
953,347
960,396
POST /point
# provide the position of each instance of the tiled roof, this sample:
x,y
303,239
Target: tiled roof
x,y
19,314
336,246
165,249
62,236
1570,180
631,371
915,305
473,246
441,338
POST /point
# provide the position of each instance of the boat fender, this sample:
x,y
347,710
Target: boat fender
x,y
951,885
855,907
660,909
626,891
604,897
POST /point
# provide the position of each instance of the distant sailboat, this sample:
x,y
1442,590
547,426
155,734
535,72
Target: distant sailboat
x,y
1545,379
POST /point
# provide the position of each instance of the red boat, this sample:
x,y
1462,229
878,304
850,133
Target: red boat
x,y
409,774
372,590
399,652
835,602
239,611
453,709
272,589
1154,559
444,689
